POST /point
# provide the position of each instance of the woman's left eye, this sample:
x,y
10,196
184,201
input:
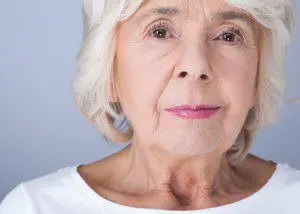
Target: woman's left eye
x,y
231,35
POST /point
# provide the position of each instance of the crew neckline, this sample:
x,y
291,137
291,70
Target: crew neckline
x,y
102,203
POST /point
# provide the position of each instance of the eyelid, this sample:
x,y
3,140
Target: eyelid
x,y
160,23
163,23
233,29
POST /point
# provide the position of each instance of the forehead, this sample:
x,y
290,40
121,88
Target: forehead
x,y
191,9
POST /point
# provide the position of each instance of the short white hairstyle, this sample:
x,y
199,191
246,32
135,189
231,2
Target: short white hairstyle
x,y
94,81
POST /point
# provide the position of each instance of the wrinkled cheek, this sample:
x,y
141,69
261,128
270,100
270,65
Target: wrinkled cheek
x,y
134,97
239,93
142,78
154,50
236,71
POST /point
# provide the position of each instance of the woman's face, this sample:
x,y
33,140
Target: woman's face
x,y
199,52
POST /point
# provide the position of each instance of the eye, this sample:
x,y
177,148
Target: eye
x,y
160,31
230,35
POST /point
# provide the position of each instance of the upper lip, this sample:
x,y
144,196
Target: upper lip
x,y
193,107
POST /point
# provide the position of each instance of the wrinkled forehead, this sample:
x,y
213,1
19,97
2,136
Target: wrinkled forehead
x,y
209,10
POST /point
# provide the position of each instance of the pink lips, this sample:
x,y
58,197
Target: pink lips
x,y
194,111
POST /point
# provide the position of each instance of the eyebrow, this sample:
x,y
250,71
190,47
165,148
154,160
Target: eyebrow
x,y
234,15
166,11
174,11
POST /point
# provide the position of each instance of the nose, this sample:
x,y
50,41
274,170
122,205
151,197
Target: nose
x,y
194,65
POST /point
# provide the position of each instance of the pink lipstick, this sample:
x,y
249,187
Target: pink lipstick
x,y
194,111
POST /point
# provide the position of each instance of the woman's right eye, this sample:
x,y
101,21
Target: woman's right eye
x,y
160,31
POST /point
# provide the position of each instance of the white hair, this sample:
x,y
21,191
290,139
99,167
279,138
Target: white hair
x,y
94,81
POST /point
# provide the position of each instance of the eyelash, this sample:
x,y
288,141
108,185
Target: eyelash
x,y
161,25
235,31
232,29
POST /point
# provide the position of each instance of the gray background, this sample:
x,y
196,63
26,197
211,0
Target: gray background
x,y
40,128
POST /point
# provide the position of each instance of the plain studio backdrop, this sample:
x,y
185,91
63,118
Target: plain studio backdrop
x,y
40,128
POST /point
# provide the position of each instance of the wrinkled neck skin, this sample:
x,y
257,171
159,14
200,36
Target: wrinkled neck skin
x,y
191,182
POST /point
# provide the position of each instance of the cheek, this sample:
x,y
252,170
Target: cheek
x,y
143,73
237,70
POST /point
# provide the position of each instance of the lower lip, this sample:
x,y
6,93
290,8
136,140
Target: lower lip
x,y
194,114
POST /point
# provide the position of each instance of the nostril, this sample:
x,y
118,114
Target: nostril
x,y
183,74
203,76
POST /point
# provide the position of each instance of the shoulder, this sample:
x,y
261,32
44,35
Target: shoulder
x,y
17,201
280,184
24,197
279,175
289,176
285,188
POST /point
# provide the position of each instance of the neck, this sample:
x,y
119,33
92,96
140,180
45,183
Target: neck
x,y
184,177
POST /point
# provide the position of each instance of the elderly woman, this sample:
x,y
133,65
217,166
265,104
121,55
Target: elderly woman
x,y
193,80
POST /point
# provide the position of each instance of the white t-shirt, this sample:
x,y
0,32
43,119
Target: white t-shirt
x,y
65,192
